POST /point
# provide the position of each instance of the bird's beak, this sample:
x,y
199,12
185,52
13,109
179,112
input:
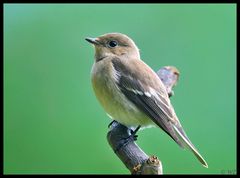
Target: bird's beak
x,y
93,41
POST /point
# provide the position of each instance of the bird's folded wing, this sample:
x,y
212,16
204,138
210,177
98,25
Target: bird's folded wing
x,y
155,104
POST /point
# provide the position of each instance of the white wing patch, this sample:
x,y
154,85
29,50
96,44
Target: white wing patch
x,y
147,94
156,94
137,92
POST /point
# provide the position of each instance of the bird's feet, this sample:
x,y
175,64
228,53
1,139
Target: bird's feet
x,y
125,141
111,123
134,133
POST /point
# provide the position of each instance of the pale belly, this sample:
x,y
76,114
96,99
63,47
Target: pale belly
x,y
116,104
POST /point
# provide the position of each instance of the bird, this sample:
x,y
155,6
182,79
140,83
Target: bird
x,y
130,91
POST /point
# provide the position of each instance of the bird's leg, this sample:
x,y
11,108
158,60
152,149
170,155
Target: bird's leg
x,y
133,133
125,141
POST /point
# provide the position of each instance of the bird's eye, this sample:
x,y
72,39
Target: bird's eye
x,y
112,44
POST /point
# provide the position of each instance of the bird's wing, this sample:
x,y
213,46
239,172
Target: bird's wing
x,y
148,94
138,87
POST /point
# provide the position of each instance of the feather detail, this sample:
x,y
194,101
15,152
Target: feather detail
x,y
190,146
139,89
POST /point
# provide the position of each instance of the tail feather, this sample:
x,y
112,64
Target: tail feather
x,y
187,144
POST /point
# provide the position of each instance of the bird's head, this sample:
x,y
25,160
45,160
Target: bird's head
x,y
114,44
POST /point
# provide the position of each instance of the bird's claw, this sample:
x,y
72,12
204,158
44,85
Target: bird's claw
x,y
111,123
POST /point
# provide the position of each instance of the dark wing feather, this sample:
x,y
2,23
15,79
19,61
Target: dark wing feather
x,y
129,83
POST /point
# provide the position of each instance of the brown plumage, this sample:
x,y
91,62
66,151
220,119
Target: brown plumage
x,y
130,91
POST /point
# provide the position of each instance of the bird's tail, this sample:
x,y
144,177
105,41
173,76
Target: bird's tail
x,y
187,144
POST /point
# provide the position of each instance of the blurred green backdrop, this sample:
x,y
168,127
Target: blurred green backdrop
x,y
52,120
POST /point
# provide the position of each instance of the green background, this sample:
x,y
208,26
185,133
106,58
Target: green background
x,y
52,120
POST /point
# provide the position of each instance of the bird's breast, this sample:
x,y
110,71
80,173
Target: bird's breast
x,y
112,99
